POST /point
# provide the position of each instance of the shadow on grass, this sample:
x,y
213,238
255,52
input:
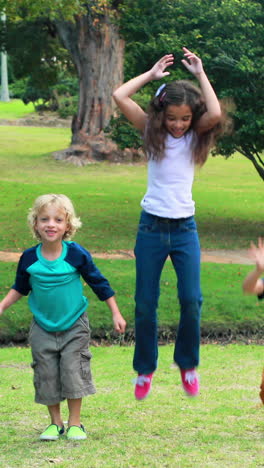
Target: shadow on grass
x,y
246,332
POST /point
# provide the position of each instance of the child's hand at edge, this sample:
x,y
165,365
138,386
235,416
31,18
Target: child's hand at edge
x,y
257,254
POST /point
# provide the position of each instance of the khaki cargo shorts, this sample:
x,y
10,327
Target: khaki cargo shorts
x,y
61,362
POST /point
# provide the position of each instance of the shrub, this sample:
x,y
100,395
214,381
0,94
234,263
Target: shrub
x,y
123,133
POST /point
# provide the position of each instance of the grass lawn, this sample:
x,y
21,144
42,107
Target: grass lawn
x,y
226,312
15,109
228,194
223,427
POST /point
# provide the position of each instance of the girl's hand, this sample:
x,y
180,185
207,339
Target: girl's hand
x,y
257,254
193,64
158,70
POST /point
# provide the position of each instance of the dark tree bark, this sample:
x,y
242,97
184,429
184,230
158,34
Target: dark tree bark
x,y
97,52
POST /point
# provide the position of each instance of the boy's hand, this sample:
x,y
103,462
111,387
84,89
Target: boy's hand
x,y
119,323
257,254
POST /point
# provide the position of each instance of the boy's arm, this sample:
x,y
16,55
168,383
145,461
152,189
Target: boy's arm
x,y
81,259
119,321
253,284
10,299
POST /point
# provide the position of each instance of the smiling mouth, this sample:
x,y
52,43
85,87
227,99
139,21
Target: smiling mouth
x,y
178,132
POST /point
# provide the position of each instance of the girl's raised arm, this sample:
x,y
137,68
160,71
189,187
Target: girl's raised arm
x,y
122,95
213,114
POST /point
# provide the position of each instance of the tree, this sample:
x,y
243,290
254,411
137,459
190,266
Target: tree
x,y
89,32
229,36
4,73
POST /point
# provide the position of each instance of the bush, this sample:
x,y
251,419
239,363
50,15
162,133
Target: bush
x,y
123,133
17,89
67,106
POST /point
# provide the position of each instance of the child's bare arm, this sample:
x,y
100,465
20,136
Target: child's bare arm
x,y
10,299
213,113
253,284
119,321
122,95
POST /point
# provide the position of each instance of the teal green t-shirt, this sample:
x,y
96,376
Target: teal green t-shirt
x,y
55,288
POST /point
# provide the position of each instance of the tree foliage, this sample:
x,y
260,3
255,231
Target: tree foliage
x,y
228,35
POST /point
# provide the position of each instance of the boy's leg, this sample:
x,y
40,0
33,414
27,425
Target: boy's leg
x,y
55,414
56,427
74,406
46,365
75,430
75,370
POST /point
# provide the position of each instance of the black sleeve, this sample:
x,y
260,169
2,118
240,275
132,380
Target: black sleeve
x,y
82,260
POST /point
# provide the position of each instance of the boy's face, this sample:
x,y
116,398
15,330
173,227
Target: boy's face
x,y
51,224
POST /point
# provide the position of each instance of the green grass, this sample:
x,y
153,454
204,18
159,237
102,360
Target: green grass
x,y
223,427
226,312
228,194
15,109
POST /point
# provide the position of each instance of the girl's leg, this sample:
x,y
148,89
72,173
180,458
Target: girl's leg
x,y
74,406
185,256
151,253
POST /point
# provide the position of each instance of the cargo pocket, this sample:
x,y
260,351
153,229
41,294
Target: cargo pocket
x,y
32,326
85,365
36,378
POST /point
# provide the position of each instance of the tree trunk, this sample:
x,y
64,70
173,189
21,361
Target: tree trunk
x,y
4,73
97,52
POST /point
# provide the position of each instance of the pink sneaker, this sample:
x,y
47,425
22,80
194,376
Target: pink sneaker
x,y
190,381
143,386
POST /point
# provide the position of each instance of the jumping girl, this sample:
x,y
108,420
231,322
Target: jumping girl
x,y
178,131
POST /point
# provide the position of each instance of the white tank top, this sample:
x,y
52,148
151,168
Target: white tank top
x,y
169,191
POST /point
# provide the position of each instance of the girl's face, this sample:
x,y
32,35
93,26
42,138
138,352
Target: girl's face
x,y
177,119
51,224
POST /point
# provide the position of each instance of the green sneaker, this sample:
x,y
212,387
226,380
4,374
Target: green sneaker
x,y
76,433
53,432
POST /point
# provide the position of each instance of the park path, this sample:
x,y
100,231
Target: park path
x,y
239,257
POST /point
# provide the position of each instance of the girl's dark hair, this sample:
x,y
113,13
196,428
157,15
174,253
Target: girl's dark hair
x,y
178,93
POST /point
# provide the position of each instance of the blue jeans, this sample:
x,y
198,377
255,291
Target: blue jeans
x,y
158,238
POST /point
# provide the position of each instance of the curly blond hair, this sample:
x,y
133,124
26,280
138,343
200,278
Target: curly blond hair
x,y
61,202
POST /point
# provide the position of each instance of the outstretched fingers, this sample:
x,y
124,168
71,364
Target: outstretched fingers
x,y
192,62
159,69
